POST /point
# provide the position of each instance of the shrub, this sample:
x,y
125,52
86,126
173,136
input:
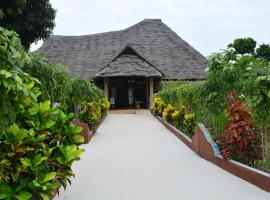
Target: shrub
x,y
93,112
59,87
83,91
158,106
185,122
38,144
182,94
240,141
54,79
189,124
167,112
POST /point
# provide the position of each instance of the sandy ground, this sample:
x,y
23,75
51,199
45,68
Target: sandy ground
x,y
133,157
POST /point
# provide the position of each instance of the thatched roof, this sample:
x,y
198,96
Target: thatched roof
x,y
129,63
160,47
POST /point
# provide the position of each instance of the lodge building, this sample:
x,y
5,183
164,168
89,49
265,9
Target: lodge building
x,y
128,64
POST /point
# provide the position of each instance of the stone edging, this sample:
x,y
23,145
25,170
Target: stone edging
x,y
203,145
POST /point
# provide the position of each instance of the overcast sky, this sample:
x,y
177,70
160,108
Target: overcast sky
x,y
208,25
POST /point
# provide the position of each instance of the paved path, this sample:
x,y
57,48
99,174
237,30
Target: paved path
x,y
133,157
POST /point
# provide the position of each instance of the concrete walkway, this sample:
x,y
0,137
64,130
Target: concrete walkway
x,y
133,157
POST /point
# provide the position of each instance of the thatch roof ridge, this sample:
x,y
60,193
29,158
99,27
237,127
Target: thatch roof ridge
x,y
129,65
151,38
155,71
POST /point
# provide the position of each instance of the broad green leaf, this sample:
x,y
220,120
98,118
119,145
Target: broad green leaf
x,y
5,191
55,185
73,129
54,111
18,133
36,183
34,110
30,85
5,196
61,160
38,159
45,106
44,187
26,162
72,153
44,196
32,132
49,176
14,129
5,73
23,195
268,94
49,124
78,139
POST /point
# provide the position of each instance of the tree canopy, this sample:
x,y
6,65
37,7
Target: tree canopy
x,y
244,45
263,51
33,20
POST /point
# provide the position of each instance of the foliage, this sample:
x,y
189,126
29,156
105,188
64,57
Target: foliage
x,y
263,51
83,91
158,106
189,124
182,94
167,112
263,165
240,141
55,79
245,75
243,45
248,77
58,86
38,144
93,112
33,20
178,117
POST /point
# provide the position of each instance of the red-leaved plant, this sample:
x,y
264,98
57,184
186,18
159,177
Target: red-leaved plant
x,y
240,142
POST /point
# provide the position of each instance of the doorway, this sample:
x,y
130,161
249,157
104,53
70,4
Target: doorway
x,y
119,92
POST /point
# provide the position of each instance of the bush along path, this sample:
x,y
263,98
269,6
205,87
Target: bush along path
x,y
38,142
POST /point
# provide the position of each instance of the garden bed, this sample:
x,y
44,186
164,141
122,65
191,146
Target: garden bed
x,y
203,144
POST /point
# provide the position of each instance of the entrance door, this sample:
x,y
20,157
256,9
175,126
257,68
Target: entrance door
x,y
119,91
140,92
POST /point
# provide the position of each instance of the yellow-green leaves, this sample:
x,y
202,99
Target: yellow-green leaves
x,y
5,73
26,162
33,163
45,106
23,195
16,134
78,139
49,176
70,153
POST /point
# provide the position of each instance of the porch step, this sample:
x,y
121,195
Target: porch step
x,y
127,111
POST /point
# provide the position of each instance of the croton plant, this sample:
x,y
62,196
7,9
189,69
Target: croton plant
x,y
38,143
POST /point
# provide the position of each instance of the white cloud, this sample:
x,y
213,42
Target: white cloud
x,y
207,25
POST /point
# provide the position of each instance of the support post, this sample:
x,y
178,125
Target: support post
x,y
106,87
151,92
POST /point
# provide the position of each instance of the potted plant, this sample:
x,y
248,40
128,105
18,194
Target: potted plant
x,y
138,104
